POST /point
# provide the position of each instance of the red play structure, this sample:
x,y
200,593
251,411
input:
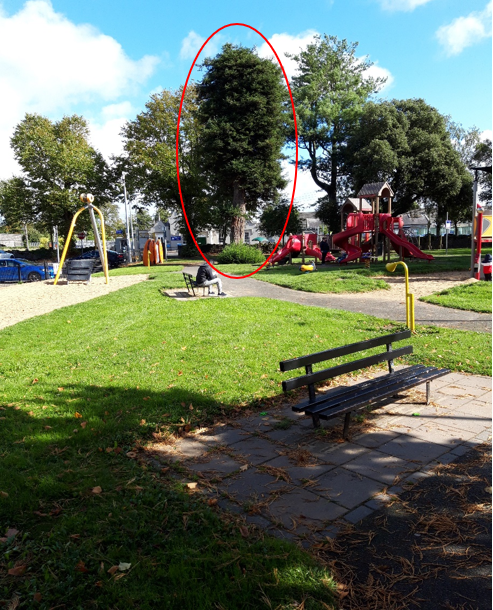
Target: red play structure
x,y
360,229
293,247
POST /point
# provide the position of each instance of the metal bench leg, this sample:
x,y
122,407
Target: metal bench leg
x,y
316,421
428,392
347,421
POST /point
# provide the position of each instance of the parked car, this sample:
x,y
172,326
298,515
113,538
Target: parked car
x,y
115,259
30,272
4,254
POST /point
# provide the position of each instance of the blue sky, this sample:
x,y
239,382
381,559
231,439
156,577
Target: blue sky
x,y
104,58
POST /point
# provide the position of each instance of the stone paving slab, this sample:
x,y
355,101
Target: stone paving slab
x,y
381,467
300,483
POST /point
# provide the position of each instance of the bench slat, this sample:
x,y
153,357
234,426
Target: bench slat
x,y
348,367
295,363
381,393
392,382
333,394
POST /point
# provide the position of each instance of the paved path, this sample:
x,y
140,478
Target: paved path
x,y
278,473
371,304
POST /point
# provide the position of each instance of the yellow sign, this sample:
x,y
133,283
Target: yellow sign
x,y
486,228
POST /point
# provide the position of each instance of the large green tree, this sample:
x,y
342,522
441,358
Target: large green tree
x,y
274,216
406,142
149,159
59,164
482,158
330,89
242,112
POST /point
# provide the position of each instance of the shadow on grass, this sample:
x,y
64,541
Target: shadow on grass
x,y
81,507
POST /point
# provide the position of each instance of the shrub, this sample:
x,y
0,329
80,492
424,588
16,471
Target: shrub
x,y
240,253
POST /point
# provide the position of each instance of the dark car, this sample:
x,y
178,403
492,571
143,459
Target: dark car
x,y
115,259
30,272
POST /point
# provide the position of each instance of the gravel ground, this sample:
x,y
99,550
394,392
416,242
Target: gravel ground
x,y
22,301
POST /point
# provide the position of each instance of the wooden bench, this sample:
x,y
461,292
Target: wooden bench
x,y
344,400
191,284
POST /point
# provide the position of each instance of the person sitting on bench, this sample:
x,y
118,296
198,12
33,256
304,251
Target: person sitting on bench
x,y
206,276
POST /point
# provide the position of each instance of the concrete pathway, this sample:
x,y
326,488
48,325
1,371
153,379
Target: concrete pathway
x,y
371,304
278,473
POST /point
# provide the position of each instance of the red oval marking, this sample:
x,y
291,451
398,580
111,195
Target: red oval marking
x,y
236,277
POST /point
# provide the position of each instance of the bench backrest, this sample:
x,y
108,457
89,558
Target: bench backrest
x,y
310,378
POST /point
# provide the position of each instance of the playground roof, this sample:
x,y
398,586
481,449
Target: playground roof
x,y
354,201
375,189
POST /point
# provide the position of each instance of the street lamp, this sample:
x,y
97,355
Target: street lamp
x,y
409,297
127,226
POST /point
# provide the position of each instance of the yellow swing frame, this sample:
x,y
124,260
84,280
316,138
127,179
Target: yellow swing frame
x,y
85,199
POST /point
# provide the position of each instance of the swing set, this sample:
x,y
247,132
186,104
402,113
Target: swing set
x,y
88,199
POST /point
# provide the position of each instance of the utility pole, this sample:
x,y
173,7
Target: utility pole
x,y
474,214
127,225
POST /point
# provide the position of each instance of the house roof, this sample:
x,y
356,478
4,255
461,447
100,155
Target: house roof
x,y
159,227
410,220
374,189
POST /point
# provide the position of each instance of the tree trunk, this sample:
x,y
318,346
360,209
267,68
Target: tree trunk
x,y
27,237
238,223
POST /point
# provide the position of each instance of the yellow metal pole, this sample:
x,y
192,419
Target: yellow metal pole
x,y
67,242
103,235
411,312
410,322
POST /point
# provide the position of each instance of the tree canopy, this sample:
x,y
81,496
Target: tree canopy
x,y
274,216
150,144
242,100
330,90
407,143
58,164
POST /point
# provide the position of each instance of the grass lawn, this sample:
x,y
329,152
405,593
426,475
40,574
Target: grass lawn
x,y
84,385
326,280
353,277
473,297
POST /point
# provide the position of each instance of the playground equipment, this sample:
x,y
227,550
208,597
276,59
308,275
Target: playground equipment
x,y
361,236
153,252
482,234
409,297
367,226
294,247
308,267
87,198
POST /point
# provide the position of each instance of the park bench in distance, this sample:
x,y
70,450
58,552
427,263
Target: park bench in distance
x,y
192,284
344,400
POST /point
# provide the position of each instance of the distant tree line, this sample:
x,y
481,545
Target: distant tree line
x,y
236,125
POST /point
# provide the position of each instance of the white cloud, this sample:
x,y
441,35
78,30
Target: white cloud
x,y
192,42
49,65
307,192
377,71
465,31
190,45
401,5
286,43
487,134
105,132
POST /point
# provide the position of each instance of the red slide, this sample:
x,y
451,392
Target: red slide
x,y
341,240
292,247
408,249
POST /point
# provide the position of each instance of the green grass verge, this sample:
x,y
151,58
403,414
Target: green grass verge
x,y
472,297
353,277
131,364
324,280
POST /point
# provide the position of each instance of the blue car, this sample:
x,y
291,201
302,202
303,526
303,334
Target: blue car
x,y
30,272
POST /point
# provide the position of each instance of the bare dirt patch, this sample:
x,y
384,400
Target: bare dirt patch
x,y
19,302
420,285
